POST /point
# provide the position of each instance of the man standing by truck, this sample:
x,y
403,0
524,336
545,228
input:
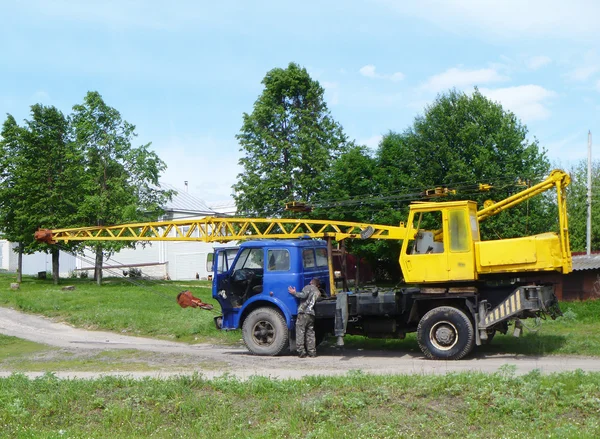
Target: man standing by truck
x,y
305,321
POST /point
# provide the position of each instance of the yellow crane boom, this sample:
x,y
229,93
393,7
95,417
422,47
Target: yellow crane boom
x,y
456,244
214,229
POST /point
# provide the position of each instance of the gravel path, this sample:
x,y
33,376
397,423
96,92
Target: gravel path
x,y
238,362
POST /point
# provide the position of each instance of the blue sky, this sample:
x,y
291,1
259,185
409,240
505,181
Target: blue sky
x,y
184,71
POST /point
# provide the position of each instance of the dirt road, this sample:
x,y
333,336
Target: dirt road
x,y
236,360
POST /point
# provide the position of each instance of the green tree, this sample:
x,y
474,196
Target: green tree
x,y
459,141
42,169
577,206
12,221
289,142
121,181
465,139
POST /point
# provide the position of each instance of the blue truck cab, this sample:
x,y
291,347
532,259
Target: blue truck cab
x,y
251,283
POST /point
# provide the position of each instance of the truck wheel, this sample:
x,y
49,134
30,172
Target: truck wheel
x,y
445,333
265,332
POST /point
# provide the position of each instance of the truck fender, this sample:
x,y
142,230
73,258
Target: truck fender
x,y
257,301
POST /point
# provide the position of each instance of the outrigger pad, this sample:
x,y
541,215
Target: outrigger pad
x,y
185,299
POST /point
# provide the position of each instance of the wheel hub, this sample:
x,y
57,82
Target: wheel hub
x,y
263,333
443,335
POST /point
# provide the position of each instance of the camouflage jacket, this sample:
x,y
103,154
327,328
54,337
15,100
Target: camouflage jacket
x,y
308,296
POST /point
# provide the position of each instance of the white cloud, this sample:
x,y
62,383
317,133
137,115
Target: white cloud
x,y
528,102
371,142
571,148
209,165
507,19
41,97
583,73
461,78
398,76
332,92
369,72
538,62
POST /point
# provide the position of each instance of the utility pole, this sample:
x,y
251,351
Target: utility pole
x,y
589,196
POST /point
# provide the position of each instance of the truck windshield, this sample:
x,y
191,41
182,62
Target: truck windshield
x,y
250,258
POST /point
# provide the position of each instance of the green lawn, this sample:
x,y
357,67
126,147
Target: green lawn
x,y
147,310
577,333
18,355
151,310
467,405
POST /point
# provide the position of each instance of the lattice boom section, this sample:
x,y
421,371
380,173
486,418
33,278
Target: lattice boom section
x,y
227,229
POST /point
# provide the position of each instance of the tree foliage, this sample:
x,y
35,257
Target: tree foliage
x,y
121,181
41,168
577,206
81,170
459,141
289,142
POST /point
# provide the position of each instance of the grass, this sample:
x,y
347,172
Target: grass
x,y
152,311
148,310
13,348
469,405
576,333
18,355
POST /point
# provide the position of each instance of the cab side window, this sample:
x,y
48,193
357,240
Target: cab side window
x,y
308,258
278,260
458,230
321,257
429,235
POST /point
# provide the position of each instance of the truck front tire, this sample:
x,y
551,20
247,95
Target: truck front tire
x,y
445,333
265,332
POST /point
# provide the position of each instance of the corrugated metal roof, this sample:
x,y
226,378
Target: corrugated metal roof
x,y
185,202
586,262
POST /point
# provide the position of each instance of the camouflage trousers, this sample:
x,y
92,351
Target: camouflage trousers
x,y
305,334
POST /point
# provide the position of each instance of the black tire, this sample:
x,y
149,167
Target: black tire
x,y
265,332
445,333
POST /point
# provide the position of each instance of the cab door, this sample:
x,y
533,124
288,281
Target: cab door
x,y
221,264
462,230
423,257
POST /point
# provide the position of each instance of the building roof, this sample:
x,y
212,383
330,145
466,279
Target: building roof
x,y
184,202
586,262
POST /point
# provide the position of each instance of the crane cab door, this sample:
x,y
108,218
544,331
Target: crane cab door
x,y
220,262
439,247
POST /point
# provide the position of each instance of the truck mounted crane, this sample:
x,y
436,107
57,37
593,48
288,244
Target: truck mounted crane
x,y
459,289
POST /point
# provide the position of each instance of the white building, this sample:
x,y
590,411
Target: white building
x,y
165,259
35,263
162,259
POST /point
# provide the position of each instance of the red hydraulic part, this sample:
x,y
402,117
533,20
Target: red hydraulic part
x,y
44,235
185,299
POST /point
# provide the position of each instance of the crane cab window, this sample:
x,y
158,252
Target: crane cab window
x,y
429,237
279,260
